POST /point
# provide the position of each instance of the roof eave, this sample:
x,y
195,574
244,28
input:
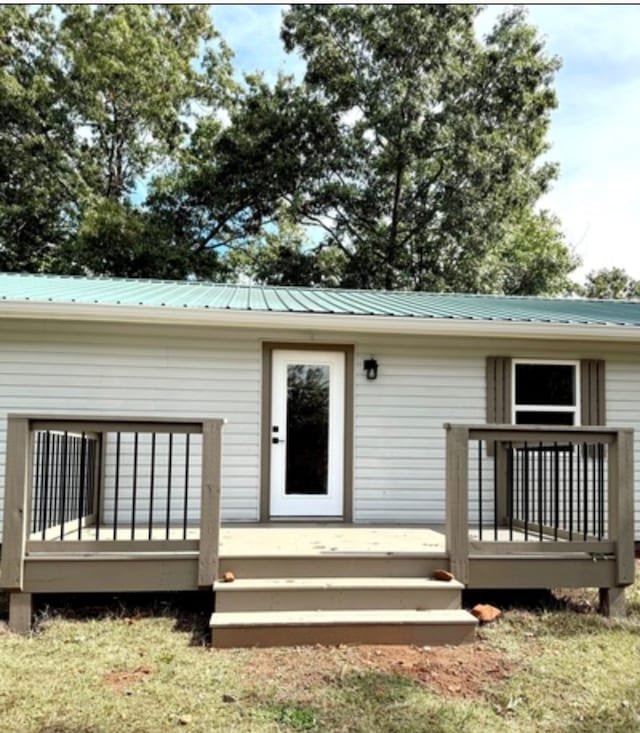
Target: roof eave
x,y
400,325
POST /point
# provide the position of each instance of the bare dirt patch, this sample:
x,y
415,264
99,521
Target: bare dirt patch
x,y
123,680
464,671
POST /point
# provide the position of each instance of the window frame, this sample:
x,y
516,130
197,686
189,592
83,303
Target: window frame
x,y
575,409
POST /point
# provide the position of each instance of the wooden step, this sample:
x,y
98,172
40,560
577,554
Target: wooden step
x,y
345,564
299,594
294,628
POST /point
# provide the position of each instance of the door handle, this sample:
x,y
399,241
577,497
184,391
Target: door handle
x,y
275,441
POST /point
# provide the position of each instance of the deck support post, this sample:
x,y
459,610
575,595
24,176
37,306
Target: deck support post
x,y
20,612
17,501
613,602
210,502
621,505
457,501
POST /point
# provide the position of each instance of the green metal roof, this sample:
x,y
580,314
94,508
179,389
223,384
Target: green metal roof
x,y
18,288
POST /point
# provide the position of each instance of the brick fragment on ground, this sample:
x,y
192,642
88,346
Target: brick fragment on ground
x,y
442,575
485,613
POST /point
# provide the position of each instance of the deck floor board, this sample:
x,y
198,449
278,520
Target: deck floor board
x,y
302,539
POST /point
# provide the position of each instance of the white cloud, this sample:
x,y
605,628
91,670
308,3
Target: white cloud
x,y
595,133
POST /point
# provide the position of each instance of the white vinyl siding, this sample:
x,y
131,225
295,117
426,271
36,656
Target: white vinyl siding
x,y
399,437
399,440
108,370
623,410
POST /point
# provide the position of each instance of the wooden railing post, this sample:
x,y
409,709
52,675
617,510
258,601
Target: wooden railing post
x,y
457,500
17,500
621,487
210,502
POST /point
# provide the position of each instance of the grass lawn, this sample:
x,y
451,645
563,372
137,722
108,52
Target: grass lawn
x,y
127,671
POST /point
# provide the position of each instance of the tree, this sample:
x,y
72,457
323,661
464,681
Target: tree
x,y
439,139
39,185
98,102
530,259
227,188
283,255
411,147
613,283
131,82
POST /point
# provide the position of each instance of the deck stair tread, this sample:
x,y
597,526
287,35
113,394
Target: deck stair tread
x,y
336,583
341,617
339,553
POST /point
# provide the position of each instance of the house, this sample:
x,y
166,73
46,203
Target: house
x,y
334,406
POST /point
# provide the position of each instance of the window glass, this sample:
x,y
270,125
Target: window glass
x,y
545,384
544,418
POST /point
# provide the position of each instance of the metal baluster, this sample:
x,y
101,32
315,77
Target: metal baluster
x,y
55,483
540,488
83,482
134,496
601,459
44,499
63,484
578,486
98,472
495,487
116,492
526,491
594,487
510,489
152,482
585,489
571,457
556,490
187,443
170,459
37,498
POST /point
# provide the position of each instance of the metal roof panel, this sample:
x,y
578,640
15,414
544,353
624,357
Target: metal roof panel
x,y
403,304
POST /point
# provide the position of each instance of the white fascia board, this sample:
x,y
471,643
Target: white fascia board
x,y
401,325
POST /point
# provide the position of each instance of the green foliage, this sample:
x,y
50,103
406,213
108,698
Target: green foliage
x,y
611,282
131,82
438,140
283,255
39,185
530,259
408,157
118,239
291,717
228,186
91,105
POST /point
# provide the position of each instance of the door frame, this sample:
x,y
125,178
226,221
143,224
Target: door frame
x,y
268,348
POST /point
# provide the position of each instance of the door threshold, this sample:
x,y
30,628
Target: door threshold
x,y
305,520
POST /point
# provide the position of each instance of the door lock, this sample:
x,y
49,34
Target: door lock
x,y
275,441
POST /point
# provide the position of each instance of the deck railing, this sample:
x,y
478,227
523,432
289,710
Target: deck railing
x,y
529,489
65,477
91,486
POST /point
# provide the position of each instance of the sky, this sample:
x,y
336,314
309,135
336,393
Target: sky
x,y
595,132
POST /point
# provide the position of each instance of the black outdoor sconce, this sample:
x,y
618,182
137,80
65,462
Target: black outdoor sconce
x,y
370,367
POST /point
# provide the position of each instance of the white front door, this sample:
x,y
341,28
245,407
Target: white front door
x,y
307,433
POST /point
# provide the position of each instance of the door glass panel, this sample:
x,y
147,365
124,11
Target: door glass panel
x,y
307,437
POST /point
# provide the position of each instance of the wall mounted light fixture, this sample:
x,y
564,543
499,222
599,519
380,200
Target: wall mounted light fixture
x,y
370,367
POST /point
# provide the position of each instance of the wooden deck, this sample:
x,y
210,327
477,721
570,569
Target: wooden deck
x,y
512,521
163,559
